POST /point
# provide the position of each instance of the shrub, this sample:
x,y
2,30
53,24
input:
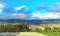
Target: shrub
x,y
47,29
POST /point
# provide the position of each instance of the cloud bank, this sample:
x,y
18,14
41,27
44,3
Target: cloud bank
x,y
24,12
50,15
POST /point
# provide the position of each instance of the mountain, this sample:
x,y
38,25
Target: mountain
x,y
47,21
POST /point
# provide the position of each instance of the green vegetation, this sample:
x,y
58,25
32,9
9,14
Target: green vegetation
x,y
14,28
51,33
47,29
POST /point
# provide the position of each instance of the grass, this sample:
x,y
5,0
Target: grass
x,y
39,34
30,34
51,33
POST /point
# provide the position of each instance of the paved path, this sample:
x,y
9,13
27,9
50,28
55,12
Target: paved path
x,y
30,34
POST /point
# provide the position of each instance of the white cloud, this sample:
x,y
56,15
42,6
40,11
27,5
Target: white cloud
x,y
14,14
52,16
36,14
1,6
18,8
54,8
19,16
46,16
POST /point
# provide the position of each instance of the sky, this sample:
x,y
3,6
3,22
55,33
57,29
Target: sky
x,y
30,9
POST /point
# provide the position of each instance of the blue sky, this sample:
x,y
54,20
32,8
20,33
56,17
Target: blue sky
x,y
29,9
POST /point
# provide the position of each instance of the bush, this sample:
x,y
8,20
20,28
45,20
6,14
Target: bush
x,y
56,29
47,29
37,30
